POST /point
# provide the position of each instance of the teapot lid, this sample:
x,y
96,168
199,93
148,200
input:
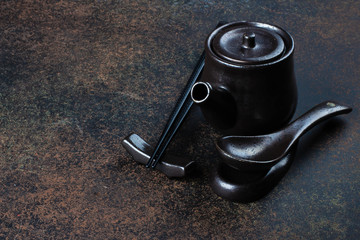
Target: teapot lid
x,y
248,43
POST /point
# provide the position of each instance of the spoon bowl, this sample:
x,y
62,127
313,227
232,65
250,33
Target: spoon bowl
x,y
254,153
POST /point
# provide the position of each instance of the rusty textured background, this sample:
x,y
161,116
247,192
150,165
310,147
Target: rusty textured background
x,y
78,76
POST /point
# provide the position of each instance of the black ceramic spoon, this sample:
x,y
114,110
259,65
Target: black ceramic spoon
x,y
262,152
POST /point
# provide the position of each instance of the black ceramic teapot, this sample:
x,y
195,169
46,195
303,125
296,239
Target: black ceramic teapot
x,y
248,85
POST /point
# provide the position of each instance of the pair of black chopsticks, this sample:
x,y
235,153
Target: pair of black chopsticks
x,y
179,113
181,109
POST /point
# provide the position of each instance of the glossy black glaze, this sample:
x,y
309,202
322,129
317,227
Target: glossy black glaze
x,y
238,186
171,166
261,83
264,151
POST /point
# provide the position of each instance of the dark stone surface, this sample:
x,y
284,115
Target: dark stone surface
x,y
78,76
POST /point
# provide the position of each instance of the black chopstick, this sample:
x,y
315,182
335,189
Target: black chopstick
x,y
176,118
194,76
175,127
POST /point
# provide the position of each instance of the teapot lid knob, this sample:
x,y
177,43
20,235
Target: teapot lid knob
x,y
248,40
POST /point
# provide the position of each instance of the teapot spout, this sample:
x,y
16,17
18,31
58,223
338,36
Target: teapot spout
x,y
217,105
201,93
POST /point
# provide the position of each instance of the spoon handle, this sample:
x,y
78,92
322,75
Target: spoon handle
x,y
317,114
